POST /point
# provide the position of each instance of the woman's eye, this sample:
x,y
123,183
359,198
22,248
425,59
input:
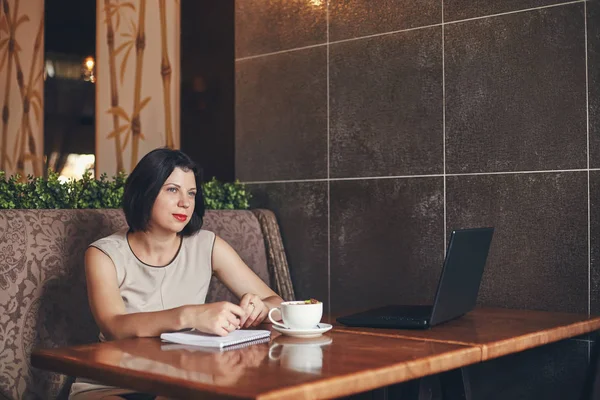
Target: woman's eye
x,y
172,189
192,194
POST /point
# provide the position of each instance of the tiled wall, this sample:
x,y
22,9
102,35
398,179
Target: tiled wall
x,y
372,131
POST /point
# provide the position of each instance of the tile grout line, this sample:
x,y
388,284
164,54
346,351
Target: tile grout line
x,y
366,178
587,118
515,12
327,43
444,125
274,53
520,172
374,35
328,179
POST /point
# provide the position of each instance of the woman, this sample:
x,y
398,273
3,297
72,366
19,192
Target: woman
x,y
154,277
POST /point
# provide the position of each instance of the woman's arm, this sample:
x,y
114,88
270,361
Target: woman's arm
x,y
256,297
109,311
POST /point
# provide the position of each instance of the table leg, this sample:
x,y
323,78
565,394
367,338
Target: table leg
x,y
591,388
426,388
456,385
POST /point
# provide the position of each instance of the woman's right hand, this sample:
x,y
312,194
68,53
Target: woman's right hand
x,y
215,318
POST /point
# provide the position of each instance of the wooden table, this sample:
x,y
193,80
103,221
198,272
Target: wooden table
x,y
342,362
337,364
497,331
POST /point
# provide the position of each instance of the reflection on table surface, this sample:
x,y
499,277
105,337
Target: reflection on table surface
x,y
332,365
298,354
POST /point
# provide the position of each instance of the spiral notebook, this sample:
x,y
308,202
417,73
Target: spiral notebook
x,y
166,346
196,338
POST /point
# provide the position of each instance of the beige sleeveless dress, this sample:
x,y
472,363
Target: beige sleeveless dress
x,y
147,288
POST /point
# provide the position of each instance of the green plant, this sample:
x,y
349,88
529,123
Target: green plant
x,y
33,192
48,193
225,196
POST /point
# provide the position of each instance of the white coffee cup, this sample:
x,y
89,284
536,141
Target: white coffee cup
x,y
298,315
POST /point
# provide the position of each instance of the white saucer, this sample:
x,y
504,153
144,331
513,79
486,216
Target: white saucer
x,y
317,331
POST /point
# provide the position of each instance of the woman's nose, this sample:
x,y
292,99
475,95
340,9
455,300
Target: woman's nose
x,y
185,203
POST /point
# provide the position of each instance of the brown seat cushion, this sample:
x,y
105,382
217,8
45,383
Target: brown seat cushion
x,y
43,300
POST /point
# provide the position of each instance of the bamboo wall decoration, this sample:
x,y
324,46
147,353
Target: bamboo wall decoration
x,y
9,45
111,10
132,101
136,123
30,98
27,140
165,71
116,110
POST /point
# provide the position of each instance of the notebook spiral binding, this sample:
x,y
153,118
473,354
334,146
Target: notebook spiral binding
x,y
193,348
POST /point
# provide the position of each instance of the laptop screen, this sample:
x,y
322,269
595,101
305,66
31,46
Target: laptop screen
x,y
462,272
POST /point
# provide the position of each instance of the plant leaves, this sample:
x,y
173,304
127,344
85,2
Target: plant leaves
x,y
124,64
109,6
118,111
36,111
133,27
126,140
29,192
22,19
117,131
37,78
3,61
36,95
17,142
128,5
122,46
143,104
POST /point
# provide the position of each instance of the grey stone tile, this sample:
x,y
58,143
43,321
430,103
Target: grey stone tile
x,y
539,254
269,26
387,241
281,116
515,92
301,210
461,9
386,105
356,18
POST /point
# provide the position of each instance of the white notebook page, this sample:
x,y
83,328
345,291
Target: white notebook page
x,y
196,338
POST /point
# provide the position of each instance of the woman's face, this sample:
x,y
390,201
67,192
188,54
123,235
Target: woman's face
x,y
175,202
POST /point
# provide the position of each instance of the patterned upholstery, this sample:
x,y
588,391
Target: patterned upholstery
x,y
43,300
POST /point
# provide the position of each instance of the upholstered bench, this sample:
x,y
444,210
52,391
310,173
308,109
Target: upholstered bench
x,y
43,300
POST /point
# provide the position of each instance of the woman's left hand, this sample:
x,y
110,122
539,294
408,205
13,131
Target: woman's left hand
x,y
256,310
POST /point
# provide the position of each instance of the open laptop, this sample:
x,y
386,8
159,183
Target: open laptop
x,y
456,293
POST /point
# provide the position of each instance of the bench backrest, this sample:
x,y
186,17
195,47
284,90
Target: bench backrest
x,y
43,299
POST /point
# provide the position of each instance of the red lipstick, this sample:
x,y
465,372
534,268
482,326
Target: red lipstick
x,y
180,217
